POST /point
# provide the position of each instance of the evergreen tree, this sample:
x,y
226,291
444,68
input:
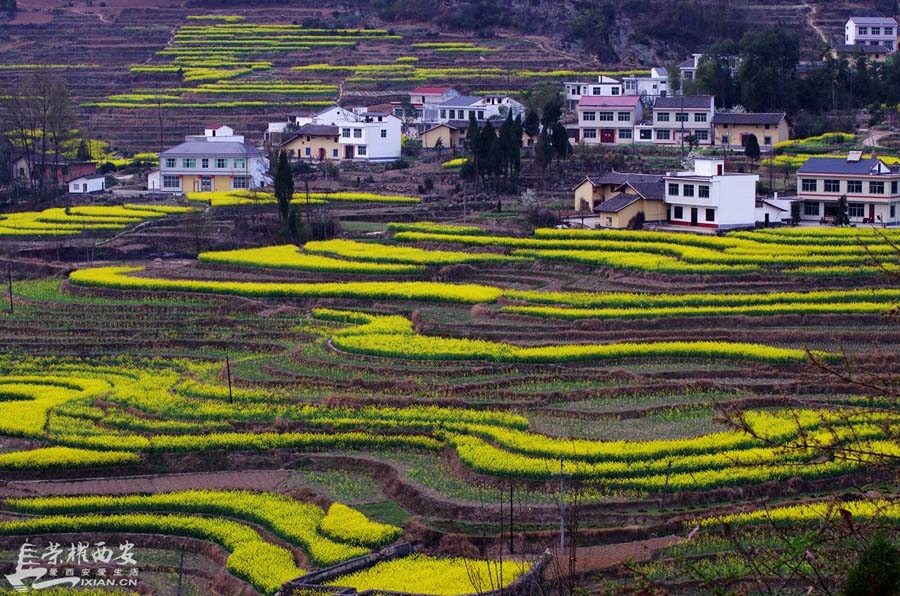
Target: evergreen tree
x,y
473,144
877,570
83,153
532,124
517,136
506,145
488,151
559,138
552,111
284,186
751,148
543,151
841,217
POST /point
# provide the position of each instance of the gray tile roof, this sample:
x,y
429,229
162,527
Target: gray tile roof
x,y
616,203
838,165
689,102
202,148
874,20
460,101
650,186
862,49
750,118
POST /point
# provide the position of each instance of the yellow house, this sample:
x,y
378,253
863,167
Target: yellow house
x,y
450,135
313,141
616,198
769,128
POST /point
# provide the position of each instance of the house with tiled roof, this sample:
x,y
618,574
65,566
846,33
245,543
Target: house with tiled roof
x,y
482,107
217,160
733,129
872,189
676,118
616,198
608,120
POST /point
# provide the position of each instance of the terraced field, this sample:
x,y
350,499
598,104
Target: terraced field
x,y
282,409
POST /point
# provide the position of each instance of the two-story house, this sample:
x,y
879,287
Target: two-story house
x,y
218,160
878,32
649,87
869,185
608,119
710,197
732,129
676,118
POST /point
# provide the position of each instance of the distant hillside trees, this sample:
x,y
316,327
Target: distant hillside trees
x,y
8,6
591,26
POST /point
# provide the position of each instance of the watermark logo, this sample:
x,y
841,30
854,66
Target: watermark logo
x,y
82,564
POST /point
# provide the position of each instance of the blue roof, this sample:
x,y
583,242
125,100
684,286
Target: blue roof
x,y
461,101
839,165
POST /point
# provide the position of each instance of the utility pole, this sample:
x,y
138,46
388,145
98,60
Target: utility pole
x,y
9,286
682,117
562,511
510,517
228,372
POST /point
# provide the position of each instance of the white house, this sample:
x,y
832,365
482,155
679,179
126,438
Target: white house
x,y
709,197
608,119
871,187
676,118
688,68
880,32
218,160
340,134
87,184
483,107
656,85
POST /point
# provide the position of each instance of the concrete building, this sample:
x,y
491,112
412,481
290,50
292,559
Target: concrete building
x,y
873,32
871,188
483,107
676,118
732,129
339,134
608,119
87,184
709,197
218,160
647,87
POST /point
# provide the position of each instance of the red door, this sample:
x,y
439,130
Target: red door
x,y
872,213
348,151
607,135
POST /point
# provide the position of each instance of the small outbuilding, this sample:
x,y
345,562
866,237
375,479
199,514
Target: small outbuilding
x,y
87,184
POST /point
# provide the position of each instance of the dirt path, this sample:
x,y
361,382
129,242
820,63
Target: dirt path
x,y
596,558
811,21
260,480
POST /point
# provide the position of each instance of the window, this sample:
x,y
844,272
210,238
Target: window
x,y
863,31
688,190
590,116
724,139
809,185
893,211
624,116
856,210
240,164
606,116
361,150
646,135
170,162
189,163
383,133
894,187
595,91
241,182
673,189
171,182
767,140
700,117
345,132
832,186
308,151
681,117
678,212
204,163
334,153
710,215
443,114
625,133
480,115
876,30
357,133
876,188
615,90
662,117
703,191
590,133
221,163
811,209
854,186
662,135
702,135
888,30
